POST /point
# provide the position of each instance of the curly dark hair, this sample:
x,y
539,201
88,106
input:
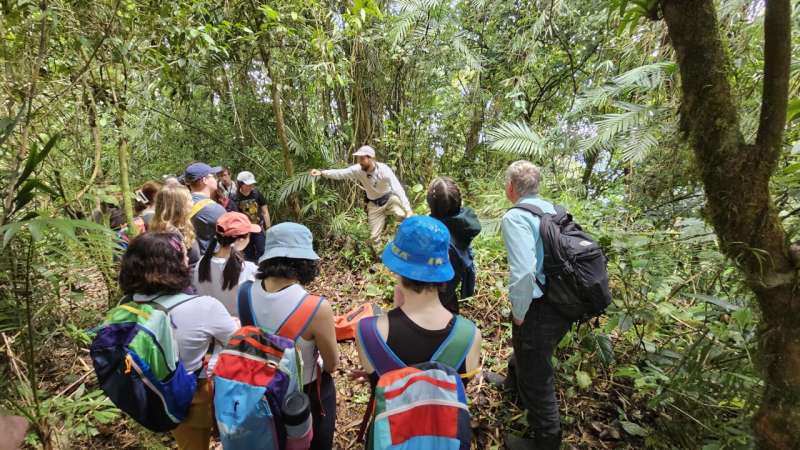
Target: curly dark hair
x,y
302,270
421,286
154,263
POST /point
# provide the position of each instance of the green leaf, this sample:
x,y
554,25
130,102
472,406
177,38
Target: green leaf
x,y
517,138
34,159
793,110
7,125
9,231
583,379
633,429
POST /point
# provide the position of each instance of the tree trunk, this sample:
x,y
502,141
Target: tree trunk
x,y
739,205
125,185
280,125
475,126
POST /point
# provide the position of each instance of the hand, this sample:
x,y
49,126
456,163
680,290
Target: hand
x,y
315,172
517,322
359,376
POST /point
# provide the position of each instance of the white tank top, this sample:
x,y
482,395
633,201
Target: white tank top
x,y
270,310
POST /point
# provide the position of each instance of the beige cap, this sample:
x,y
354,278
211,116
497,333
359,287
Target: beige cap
x,y
365,150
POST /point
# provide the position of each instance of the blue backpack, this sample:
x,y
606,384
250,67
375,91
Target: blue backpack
x,y
135,358
256,375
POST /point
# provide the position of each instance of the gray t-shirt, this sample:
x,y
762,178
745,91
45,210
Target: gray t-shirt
x,y
205,221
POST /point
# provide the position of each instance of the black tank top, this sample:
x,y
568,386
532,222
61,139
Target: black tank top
x,y
412,343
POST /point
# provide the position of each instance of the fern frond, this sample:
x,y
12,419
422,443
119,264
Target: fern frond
x,y
517,138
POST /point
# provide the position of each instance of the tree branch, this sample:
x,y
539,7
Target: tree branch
x,y
777,59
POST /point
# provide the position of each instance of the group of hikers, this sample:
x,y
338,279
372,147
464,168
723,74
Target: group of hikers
x,y
211,260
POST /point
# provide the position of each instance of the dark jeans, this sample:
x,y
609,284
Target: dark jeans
x,y
325,401
255,248
531,366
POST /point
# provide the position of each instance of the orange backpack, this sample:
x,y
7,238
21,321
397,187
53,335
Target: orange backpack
x,y
346,324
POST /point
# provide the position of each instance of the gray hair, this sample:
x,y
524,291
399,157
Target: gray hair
x,y
524,176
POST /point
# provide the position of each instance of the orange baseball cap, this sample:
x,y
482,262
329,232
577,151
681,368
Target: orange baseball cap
x,y
235,224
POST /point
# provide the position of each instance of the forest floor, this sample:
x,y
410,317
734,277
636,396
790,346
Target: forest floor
x,y
589,415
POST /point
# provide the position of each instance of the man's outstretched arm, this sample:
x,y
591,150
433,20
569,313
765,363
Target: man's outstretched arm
x,y
348,173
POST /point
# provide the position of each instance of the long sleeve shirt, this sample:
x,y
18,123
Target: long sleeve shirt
x,y
376,184
525,255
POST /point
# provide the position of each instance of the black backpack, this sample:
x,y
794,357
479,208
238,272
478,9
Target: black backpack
x,y
574,266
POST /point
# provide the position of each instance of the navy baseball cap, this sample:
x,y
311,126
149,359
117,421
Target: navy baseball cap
x,y
198,170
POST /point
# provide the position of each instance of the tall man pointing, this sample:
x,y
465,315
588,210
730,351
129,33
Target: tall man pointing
x,y
383,192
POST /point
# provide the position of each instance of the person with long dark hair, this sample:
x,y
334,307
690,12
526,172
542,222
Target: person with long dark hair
x,y
156,265
223,266
444,199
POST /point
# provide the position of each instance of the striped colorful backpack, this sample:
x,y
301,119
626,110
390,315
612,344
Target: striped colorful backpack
x,y
422,406
256,376
135,358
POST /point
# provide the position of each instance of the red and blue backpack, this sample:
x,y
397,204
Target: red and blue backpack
x,y
423,406
255,375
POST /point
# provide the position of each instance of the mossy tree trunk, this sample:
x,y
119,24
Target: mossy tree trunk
x,y
736,177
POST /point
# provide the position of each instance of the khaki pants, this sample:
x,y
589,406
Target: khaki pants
x,y
377,215
194,433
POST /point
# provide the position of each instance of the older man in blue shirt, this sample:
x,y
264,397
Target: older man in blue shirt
x,y
537,328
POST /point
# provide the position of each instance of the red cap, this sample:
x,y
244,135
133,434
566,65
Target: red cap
x,y
235,224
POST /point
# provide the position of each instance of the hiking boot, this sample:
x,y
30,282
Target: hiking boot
x,y
494,379
540,442
513,442
507,384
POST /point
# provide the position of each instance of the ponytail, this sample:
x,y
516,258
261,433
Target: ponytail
x,y
232,270
204,266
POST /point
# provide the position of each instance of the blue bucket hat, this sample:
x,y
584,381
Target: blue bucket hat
x,y
419,251
289,240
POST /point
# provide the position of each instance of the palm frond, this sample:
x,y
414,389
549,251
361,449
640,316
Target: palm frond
x,y
638,145
615,126
294,185
471,59
643,78
517,138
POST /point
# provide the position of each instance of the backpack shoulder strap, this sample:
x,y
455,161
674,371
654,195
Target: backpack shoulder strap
x,y
197,207
535,210
243,302
170,302
298,320
453,351
382,358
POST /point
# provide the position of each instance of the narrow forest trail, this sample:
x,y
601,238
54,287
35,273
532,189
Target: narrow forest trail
x,y
590,416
